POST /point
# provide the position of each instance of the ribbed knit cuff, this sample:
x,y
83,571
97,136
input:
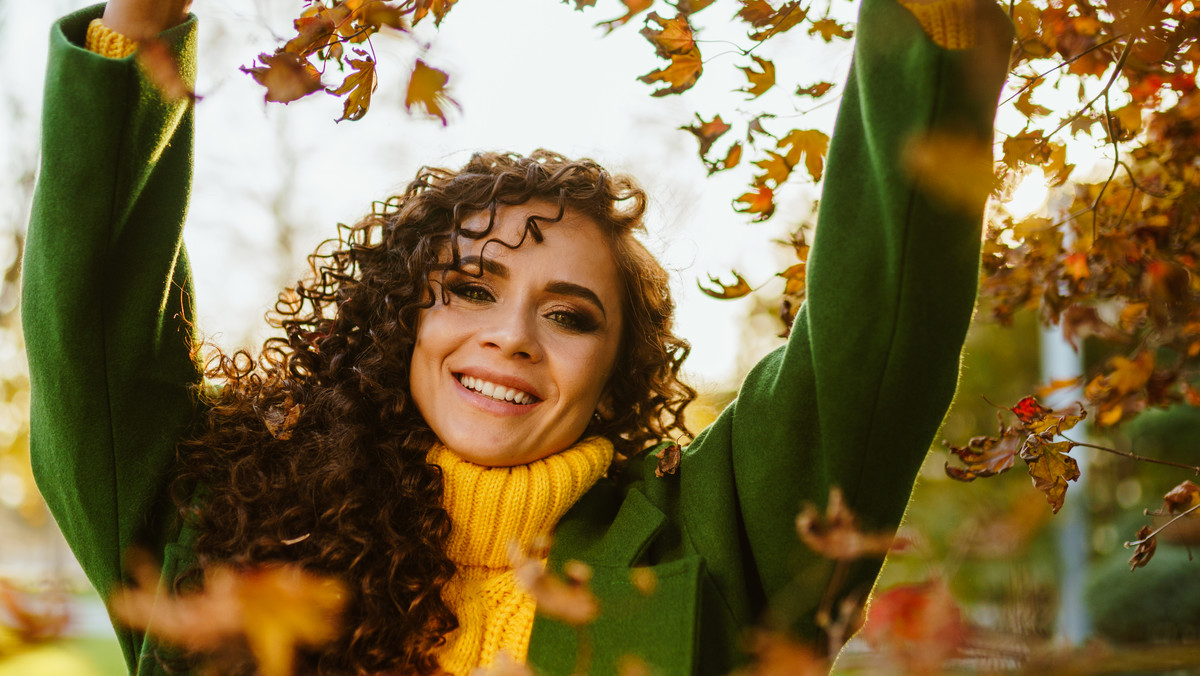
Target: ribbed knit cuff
x,y
106,42
949,23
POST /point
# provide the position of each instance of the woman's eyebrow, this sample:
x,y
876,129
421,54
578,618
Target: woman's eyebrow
x,y
481,265
561,288
578,291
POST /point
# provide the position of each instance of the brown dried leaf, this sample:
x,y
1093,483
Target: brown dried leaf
x,y
282,418
1051,468
760,80
1145,549
987,456
669,456
357,88
286,76
1181,498
836,534
568,601
726,291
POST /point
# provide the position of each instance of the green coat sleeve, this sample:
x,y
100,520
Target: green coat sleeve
x,y
856,396
107,304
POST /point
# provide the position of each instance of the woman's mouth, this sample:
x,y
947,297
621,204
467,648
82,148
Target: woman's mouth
x,y
497,392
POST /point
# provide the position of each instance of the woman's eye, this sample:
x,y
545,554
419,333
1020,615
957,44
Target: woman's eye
x,y
469,291
572,320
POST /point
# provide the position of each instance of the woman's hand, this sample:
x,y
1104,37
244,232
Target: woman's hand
x,y
140,19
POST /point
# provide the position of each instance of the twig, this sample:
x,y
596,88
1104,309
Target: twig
x,y
1158,530
1132,456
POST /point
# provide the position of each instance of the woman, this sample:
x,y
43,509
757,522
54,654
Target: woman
x,y
459,372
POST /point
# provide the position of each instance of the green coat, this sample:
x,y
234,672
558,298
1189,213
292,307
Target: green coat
x,y
853,400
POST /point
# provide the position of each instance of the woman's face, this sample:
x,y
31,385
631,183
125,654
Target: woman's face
x,y
509,367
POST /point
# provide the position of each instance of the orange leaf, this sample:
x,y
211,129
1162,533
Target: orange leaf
x,y
788,16
286,76
760,81
829,29
357,88
427,89
674,36
816,90
836,534
312,33
680,75
1183,497
726,291
809,145
761,202
777,169
733,157
632,9
707,132
438,8
916,627
757,13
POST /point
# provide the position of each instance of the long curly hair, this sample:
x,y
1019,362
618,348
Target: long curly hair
x,y
314,452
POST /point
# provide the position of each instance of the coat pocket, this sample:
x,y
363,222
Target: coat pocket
x,y
649,613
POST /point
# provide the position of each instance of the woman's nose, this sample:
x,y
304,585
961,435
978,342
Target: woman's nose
x,y
512,331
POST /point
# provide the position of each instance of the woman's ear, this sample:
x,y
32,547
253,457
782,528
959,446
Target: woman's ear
x,y
604,408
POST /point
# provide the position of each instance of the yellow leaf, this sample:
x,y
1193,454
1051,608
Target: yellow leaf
x,y
809,145
427,89
761,80
679,76
829,29
726,291
357,88
777,169
674,36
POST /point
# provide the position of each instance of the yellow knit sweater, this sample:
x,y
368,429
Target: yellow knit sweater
x,y
491,507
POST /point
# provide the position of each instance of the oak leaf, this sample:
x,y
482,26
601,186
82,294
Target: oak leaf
x,y
357,88
809,145
760,80
836,535
726,291
427,89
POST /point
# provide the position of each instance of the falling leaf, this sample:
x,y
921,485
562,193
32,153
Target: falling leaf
x,y
1051,468
776,654
669,456
34,618
357,88
1147,543
788,16
836,534
679,76
829,29
568,601
438,8
761,202
731,160
915,627
776,169
809,145
275,608
632,9
160,67
726,291
286,76
1183,497
760,80
987,456
816,91
707,132
956,169
427,89
757,13
674,36
312,33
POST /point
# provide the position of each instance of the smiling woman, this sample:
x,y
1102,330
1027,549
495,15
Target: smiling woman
x,y
485,360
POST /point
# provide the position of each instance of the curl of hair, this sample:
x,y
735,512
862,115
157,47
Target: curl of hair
x,y
315,452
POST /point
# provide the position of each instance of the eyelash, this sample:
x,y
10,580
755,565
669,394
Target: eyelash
x,y
569,319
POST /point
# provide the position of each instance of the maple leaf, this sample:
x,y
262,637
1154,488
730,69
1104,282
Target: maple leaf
x,y
788,16
761,202
377,14
632,9
760,80
427,89
707,132
1051,468
795,276
438,8
679,76
731,159
275,608
569,601
312,33
816,91
809,145
160,67
668,457
1147,543
829,29
1027,107
726,291
286,76
836,534
757,13
916,627
357,88
776,168
674,36
986,456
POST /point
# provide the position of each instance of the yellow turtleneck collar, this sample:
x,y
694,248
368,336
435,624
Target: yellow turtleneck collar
x,y
491,508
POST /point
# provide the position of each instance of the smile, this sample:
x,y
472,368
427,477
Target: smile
x,y
497,392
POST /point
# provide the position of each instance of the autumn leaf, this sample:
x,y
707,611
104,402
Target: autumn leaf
x,y
632,9
809,145
427,89
953,168
788,16
357,88
569,601
1147,543
1051,468
34,619
707,132
726,291
275,608
915,627
1181,498
731,159
776,169
829,29
836,535
312,33
160,67
438,8
760,80
816,91
668,457
679,76
282,418
674,36
761,202
756,12
795,275
286,76
777,654
986,456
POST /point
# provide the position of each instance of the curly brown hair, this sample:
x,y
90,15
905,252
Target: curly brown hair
x,y
315,452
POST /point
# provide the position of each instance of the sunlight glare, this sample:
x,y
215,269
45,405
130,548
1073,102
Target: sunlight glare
x,y
1030,195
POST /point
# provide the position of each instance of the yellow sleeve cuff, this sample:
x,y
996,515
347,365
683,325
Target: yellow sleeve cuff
x,y
949,23
106,42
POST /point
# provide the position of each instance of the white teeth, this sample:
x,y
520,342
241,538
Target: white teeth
x,y
497,392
